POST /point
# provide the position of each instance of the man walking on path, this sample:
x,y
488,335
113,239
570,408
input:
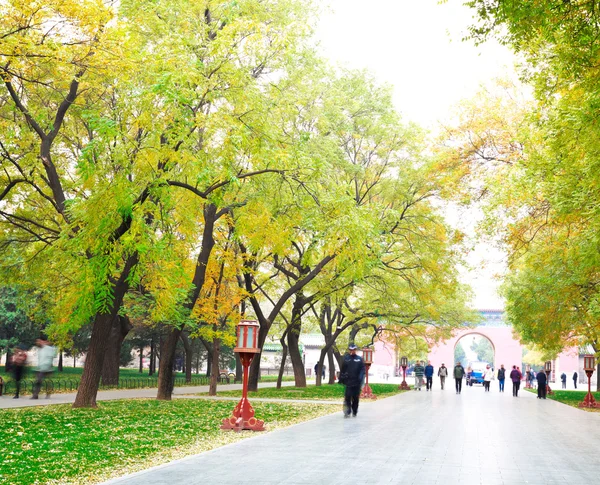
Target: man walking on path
x,y
563,379
515,377
429,375
575,379
541,380
46,355
353,372
501,377
419,371
443,373
459,373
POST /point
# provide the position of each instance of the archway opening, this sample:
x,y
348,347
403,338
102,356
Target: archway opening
x,y
474,352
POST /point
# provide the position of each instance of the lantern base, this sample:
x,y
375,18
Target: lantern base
x,y
589,402
367,393
404,386
243,418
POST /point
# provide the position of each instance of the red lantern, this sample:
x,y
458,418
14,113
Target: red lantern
x,y
247,337
247,347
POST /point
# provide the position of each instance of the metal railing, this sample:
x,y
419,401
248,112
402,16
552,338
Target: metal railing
x,y
54,384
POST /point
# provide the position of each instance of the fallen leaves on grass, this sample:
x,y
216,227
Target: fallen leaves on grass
x,y
61,445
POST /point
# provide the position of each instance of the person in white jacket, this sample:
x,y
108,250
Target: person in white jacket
x,y
488,375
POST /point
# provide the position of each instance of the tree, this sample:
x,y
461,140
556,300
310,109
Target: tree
x,y
16,327
483,349
460,355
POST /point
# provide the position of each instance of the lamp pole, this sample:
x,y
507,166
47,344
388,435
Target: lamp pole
x,y
247,348
589,364
404,386
366,392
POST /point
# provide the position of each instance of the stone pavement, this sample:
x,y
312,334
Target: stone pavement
x,y
418,438
7,401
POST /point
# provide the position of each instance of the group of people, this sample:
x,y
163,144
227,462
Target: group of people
x,y
18,362
459,373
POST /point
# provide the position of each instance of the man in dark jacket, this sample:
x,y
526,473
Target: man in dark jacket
x,y
429,375
515,377
459,373
541,383
563,379
353,370
575,379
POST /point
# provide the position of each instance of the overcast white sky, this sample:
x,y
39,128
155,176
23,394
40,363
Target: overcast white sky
x,y
416,46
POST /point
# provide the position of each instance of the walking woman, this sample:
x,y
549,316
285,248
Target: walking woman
x,y
488,375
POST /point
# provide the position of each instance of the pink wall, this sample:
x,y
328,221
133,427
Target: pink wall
x,y
384,354
507,350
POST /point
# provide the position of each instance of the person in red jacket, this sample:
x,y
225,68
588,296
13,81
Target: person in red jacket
x,y
515,377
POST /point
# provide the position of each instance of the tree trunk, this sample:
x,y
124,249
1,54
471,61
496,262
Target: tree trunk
x,y
60,361
331,362
294,342
110,368
152,363
7,363
141,370
189,355
284,352
165,369
239,370
319,373
74,361
214,375
92,370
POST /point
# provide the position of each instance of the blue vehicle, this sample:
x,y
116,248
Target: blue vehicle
x,y
476,374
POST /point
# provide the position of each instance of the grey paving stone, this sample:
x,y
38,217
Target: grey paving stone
x,y
414,438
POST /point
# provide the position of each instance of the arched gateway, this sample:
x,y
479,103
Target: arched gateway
x,y
507,348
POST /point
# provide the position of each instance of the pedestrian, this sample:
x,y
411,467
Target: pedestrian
x,y
419,372
459,373
353,372
541,379
531,377
469,375
46,355
563,379
515,377
429,375
488,375
501,377
575,379
443,373
17,367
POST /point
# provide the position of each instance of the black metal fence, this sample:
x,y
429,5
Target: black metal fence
x,y
57,384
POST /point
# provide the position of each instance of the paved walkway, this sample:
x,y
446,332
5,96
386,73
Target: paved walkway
x,y
418,438
7,402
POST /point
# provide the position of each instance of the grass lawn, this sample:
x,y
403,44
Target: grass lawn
x,y
58,444
572,398
326,392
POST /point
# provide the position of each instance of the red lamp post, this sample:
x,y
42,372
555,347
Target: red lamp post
x,y
404,386
548,369
367,393
247,347
589,364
